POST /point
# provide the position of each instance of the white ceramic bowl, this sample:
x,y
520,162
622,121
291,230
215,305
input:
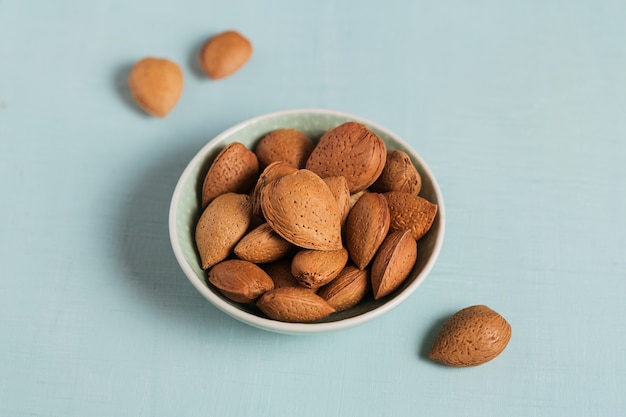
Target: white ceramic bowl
x,y
185,210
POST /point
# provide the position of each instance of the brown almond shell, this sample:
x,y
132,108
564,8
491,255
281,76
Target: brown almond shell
x,y
350,150
271,172
366,228
314,268
240,281
409,211
235,170
399,174
222,224
301,208
156,84
339,187
295,305
224,54
262,245
393,262
287,145
347,289
471,337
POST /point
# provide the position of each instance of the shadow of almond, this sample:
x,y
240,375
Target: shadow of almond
x,y
193,62
429,338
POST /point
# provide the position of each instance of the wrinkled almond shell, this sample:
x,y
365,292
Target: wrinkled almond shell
x,y
471,337
271,172
234,170
314,268
409,211
339,187
222,224
399,174
295,305
350,150
301,208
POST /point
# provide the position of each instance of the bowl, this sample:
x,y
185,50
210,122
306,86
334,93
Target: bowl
x,y
185,211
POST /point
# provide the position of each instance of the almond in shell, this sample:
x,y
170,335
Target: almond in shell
x,y
296,305
156,85
222,224
471,337
339,187
393,262
347,289
271,172
235,169
301,208
224,54
280,272
366,228
240,281
288,145
399,174
262,245
409,211
314,268
350,150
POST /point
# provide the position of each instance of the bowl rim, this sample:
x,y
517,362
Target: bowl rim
x,y
301,328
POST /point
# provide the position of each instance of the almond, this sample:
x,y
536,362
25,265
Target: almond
x,y
296,305
339,187
235,169
347,289
471,337
301,208
288,145
280,272
366,228
224,54
156,85
409,211
350,150
399,174
393,262
262,245
220,227
314,268
271,172
240,281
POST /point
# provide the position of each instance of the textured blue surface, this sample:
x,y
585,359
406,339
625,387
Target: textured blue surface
x,y
518,108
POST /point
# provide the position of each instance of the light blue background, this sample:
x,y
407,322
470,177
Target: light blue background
x,y
518,107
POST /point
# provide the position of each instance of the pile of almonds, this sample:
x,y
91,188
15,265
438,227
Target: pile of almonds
x,y
305,230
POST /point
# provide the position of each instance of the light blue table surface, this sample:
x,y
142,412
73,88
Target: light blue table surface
x,y
518,107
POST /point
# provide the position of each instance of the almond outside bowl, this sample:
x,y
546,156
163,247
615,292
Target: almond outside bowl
x,y
185,210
